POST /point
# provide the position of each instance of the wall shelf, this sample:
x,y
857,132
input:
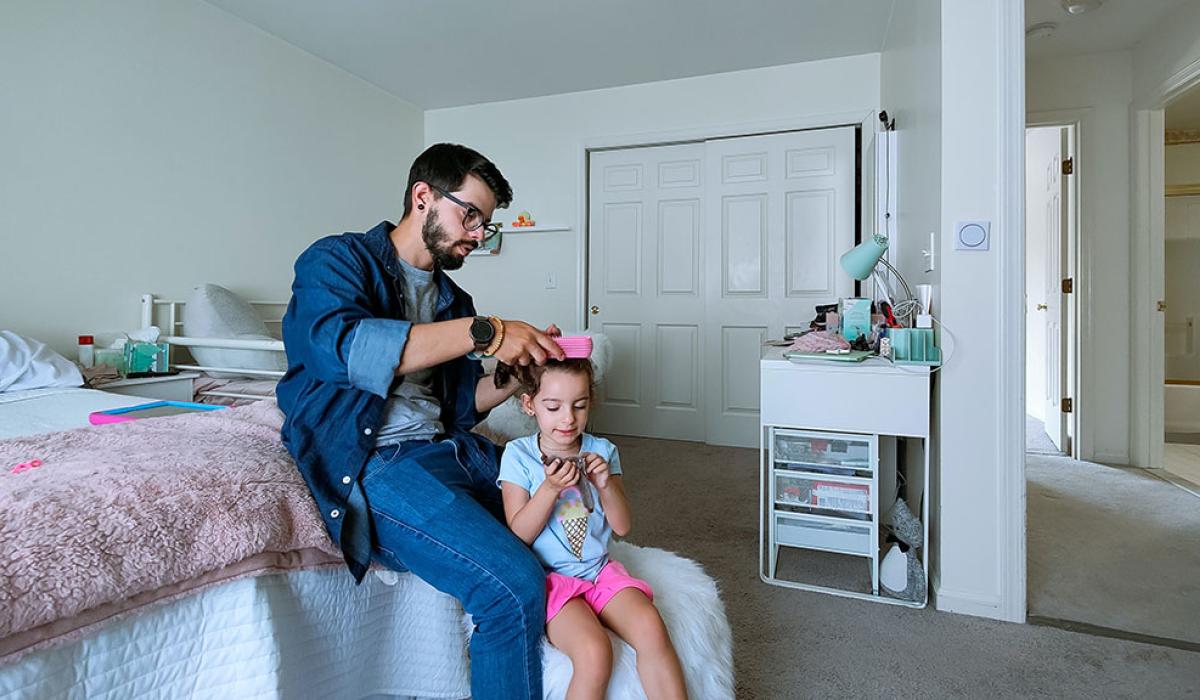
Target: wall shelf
x,y
534,229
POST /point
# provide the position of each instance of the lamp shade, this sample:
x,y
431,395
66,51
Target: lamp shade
x,y
859,261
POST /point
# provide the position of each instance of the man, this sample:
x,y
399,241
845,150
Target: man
x,y
382,388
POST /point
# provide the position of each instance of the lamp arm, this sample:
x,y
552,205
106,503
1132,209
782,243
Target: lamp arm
x,y
908,292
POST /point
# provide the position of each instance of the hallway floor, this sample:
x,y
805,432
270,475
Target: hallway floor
x,y
1114,548
1183,459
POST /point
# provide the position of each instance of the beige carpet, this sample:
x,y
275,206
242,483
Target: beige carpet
x,y
1115,548
701,501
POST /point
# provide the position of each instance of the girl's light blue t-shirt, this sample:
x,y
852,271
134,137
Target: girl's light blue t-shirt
x,y
574,541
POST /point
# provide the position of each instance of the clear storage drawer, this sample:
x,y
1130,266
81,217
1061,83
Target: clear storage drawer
x,y
846,538
822,496
843,455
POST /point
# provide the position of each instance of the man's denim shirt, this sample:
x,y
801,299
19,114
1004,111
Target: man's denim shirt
x,y
344,332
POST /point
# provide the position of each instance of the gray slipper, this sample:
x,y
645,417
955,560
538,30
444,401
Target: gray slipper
x,y
905,525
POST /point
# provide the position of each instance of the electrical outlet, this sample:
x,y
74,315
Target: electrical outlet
x,y
551,280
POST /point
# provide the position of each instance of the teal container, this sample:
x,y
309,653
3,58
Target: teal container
x,y
914,346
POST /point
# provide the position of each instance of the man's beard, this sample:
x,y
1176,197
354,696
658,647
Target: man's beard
x,y
439,245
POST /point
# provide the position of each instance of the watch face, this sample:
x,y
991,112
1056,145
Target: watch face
x,y
482,331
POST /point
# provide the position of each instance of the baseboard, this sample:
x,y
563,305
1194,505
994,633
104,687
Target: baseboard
x,y
1113,459
964,603
1098,631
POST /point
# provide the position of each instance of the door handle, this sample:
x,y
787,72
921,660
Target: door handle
x,y
595,310
1042,307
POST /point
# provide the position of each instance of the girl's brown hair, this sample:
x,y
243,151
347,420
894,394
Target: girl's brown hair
x,y
530,376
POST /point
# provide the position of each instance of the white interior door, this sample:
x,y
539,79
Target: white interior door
x,y
780,212
646,290
1054,274
1040,145
696,254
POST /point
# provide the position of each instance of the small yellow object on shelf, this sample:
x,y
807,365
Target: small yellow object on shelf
x,y
523,219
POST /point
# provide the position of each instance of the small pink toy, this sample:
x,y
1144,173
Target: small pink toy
x,y
26,466
576,347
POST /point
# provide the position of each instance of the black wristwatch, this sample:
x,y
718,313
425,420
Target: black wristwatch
x,y
482,333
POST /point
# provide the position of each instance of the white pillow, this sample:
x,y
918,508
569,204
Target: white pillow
x,y
28,364
215,312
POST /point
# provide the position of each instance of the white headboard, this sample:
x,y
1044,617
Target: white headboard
x,y
168,316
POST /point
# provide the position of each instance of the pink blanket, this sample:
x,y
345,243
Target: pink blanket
x,y
122,515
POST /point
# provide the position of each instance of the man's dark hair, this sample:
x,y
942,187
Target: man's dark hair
x,y
446,165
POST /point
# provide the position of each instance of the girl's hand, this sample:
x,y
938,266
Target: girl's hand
x,y
561,474
596,468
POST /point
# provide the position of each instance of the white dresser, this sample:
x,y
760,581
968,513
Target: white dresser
x,y
839,441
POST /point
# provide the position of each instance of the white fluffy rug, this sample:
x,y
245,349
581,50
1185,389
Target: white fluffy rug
x,y
690,605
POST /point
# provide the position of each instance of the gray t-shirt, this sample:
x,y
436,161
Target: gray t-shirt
x,y
413,411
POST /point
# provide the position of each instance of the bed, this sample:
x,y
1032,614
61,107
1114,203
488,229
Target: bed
x,y
282,618
280,624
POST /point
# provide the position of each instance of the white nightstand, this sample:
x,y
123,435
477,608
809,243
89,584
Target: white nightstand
x,y
173,387
837,441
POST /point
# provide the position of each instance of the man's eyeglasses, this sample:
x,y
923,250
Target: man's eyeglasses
x,y
472,218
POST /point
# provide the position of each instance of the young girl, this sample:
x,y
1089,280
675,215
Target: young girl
x,y
563,495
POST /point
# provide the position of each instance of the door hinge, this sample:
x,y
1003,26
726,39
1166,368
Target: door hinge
x,y
1067,405
1068,285
1162,305
1068,166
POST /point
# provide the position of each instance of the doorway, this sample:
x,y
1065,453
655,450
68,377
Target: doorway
x,y
1181,298
1110,547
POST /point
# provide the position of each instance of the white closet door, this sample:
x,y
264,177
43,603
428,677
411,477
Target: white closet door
x,y
646,290
779,212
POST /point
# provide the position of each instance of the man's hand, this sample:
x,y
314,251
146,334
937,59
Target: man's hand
x,y
525,345
561,474
596,469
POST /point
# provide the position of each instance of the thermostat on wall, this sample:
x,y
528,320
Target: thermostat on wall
x,y
972,235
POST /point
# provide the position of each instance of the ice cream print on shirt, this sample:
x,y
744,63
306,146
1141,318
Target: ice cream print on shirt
x,y
573,515
575,539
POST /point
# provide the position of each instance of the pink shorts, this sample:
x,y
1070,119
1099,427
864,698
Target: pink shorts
x,y
611,580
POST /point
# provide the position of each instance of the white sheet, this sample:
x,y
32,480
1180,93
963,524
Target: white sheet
x,y
50,410
302,634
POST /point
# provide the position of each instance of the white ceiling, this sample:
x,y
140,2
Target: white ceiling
x,y
1115,25
442,53
1184,113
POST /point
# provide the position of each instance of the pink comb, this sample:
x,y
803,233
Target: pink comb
x,y
576,347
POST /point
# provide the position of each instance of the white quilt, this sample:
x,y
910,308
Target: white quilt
x,y
302,634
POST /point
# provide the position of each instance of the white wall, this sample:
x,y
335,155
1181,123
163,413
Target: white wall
x,y
152,145
1166,52
1097,89
910,91
1181,163
981,560
538,144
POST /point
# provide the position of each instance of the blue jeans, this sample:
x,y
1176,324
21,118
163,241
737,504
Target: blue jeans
x,y
443,519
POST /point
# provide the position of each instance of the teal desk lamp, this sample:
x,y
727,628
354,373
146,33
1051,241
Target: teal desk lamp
x,y
859,262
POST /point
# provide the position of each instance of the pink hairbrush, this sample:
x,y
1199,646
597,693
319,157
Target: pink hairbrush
x,y
576,347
